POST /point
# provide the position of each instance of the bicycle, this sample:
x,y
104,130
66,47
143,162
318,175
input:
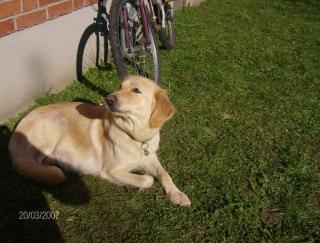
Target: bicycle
x,y
133,42
93,48
163,20
132,35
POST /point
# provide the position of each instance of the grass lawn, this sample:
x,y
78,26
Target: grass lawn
x,y
244,144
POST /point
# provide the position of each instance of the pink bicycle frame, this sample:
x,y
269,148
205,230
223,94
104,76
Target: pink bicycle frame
x,y
145,23
126,29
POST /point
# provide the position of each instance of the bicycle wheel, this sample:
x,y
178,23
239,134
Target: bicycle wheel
x,y
130,51
92,50
167,33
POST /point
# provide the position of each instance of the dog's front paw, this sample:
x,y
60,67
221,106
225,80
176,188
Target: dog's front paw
x,y
147,182
179,198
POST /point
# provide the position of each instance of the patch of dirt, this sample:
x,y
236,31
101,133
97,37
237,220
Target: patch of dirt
x,y
227,116
272,217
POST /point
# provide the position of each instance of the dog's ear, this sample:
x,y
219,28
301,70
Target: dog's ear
x,y
163,110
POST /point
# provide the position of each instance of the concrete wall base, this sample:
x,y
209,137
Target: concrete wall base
x,y
39,60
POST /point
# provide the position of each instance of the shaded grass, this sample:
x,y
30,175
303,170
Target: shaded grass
x,y
244,144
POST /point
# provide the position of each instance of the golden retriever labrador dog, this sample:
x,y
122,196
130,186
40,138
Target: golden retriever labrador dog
x,y
109,141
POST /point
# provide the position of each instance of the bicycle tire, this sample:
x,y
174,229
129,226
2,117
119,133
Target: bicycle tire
x,y
100,56
167,35
122,66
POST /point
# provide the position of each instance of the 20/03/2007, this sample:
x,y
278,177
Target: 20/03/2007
x,y
25,215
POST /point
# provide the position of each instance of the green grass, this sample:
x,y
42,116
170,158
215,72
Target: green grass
x,y
244,144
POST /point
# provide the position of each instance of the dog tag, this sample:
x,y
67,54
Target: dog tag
x,y
146,152
144,147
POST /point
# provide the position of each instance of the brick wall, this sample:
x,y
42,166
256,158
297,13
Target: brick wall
x,y
19,14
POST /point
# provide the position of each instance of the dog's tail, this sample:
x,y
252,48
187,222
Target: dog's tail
x,y
48,174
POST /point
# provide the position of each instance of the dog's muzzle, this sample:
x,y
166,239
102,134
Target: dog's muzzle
x,y
112,102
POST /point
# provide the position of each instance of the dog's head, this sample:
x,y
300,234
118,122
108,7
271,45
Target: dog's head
x,y
140,107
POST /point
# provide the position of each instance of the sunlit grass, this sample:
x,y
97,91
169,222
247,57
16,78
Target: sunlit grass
x,y
244,144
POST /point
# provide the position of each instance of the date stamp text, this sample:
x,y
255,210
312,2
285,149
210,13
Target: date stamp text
x,y
43,215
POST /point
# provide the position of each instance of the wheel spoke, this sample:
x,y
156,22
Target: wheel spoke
x,y
140,59
92,50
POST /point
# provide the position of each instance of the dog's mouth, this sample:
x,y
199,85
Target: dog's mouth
x,y
113,108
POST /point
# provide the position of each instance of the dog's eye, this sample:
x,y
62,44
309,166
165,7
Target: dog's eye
x,y
136,90
120,86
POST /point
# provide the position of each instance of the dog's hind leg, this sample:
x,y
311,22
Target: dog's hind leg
x,y
27,160
47,174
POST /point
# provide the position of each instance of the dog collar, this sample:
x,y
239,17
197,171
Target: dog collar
x,y
144,147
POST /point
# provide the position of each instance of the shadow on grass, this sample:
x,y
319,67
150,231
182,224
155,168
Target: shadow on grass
x,y
315,4
20,197
90,85
86,82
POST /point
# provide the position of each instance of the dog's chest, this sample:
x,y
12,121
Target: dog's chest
x,y
134,152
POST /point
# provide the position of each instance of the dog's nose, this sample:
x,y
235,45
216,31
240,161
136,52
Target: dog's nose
x,y
111,100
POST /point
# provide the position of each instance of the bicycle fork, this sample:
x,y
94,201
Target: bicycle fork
x,y
145,21
145,25
126,27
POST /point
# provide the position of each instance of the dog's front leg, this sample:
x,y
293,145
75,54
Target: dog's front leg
x,y
124,177
154,168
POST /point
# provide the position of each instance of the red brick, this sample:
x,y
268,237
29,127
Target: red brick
x,y
60,9
9,8
78,4
90,2
46,2
6,27
30,19
29,5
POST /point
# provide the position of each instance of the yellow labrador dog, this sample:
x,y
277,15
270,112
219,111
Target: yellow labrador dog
x,y
109,141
